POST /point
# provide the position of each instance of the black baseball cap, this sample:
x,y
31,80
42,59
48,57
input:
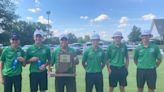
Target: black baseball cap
x,y
14,37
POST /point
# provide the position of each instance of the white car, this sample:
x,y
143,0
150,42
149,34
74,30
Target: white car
x,y
78,47
25,47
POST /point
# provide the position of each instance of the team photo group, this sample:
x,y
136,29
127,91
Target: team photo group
x,y
64,59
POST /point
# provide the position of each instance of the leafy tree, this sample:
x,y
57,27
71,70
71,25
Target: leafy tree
x,y
72,38
134,36
80,40
3,37
86,38
7,14
52,40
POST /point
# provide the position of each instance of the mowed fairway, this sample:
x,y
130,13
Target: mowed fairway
x,y
81,80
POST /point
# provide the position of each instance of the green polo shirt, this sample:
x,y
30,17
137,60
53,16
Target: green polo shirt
x,y
8,56
42,52
94,60
146,57
55,58
117,55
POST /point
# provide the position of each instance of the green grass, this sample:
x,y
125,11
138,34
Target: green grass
x,y
81,82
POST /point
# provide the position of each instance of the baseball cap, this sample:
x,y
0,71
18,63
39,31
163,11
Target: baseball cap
x,y
38,32
63,36
146,33
117,34
95,37
14,36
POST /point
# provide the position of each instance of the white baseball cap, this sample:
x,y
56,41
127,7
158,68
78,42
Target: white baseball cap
x,y
146,33
38,32
95,37
117,34
63,36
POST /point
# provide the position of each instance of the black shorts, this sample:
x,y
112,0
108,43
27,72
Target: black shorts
x,y
68,82
146,75
118,74
10,81
38,79
94,79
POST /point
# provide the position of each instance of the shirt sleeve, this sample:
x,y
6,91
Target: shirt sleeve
x,y
126,51
48,55
85,56
3,55
136,54
108,54
158,53
103,58
53,58
27,55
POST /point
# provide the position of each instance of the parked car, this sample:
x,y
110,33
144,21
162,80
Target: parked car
x,y
105,45
1,48
131,47
25,47
102,45
78,47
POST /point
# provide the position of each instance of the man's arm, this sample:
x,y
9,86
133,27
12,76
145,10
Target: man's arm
x,y
135,61
108,66
158,62
1,75
127,62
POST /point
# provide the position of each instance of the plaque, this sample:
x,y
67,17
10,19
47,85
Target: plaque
x,y
66,65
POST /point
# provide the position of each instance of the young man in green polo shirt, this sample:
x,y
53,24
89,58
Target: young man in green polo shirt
x,y
11,62
65,60
117,63
147,57
38,55
93,62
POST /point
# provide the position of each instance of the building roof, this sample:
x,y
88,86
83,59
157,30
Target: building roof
x,y
159,23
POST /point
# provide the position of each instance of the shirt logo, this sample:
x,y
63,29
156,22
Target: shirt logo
x,y
43,52
99,54
122,50
152,50
18,54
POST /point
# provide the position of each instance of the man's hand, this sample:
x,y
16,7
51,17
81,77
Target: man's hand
x,y
1,80
21,59
42,67
34,59
109,70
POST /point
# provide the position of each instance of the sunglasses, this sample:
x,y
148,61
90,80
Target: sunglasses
x,y
14,39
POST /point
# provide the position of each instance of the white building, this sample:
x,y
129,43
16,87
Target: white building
x,y
157,28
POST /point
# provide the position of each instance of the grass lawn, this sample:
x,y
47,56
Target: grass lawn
x,y
81,82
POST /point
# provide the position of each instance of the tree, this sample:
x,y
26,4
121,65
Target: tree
x,y
7,14
134,36
80,40
72,38
86,38
52,40
3,37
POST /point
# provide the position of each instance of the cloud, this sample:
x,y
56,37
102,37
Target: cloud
x,y
149,16
37,1
100,18
43,20
16,1
123,22
29,18
34,10
84,17
105,35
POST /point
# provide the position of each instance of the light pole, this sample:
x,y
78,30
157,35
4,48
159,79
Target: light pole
x,y
48,14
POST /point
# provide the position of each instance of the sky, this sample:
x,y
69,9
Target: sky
x,y
86,17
